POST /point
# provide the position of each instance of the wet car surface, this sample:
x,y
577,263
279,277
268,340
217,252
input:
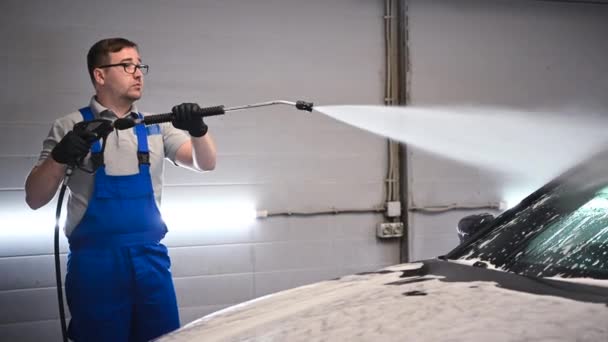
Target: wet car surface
x,y
539,271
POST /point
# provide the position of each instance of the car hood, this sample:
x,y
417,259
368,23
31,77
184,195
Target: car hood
x,y
426,301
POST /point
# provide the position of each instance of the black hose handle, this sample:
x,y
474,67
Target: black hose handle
x,y
126,123
167,117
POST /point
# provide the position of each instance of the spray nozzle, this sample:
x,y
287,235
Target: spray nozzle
x,y
303,105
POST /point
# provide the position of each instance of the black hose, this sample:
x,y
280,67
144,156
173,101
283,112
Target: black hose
x,y
57,261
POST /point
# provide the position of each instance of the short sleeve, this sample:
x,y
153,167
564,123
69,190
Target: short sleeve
x,y
173,139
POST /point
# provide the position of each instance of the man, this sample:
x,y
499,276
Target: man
x,y
118,282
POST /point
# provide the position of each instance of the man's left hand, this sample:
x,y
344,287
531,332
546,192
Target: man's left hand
x,y
188,116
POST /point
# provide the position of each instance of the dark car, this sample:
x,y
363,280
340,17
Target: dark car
x,y
538,272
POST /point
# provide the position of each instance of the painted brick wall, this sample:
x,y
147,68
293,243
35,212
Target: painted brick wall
x,y
277,159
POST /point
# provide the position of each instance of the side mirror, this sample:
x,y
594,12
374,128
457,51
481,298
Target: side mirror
x,y
469,225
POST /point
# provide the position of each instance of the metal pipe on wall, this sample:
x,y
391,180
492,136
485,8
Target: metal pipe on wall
x,y
396,93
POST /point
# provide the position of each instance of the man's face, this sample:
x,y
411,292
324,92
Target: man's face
x,y
119,83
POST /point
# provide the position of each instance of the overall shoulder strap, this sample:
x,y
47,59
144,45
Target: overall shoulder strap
x,y
87,115
96,149
143,155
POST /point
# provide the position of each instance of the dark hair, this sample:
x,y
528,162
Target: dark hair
x,y
100,52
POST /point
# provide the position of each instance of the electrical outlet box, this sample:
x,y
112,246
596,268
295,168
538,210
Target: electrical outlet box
x,y
389,230
393,209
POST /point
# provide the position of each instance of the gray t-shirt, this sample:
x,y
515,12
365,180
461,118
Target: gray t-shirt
x,y
120,157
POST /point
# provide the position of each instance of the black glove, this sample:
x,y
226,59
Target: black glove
x,y
187,116
73,147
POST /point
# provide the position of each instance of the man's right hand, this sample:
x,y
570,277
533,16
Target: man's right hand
x,y
73,147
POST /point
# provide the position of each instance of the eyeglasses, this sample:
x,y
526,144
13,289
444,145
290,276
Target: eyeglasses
x,y
129,67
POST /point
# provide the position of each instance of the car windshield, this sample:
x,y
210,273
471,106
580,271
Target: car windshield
x,y
560,230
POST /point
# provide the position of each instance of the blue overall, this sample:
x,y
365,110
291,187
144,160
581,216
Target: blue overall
x,y
118,283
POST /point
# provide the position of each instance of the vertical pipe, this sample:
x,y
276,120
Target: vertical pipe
x,y
404,77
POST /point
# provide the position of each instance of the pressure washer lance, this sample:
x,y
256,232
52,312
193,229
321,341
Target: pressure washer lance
x,y
125,123
100,129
